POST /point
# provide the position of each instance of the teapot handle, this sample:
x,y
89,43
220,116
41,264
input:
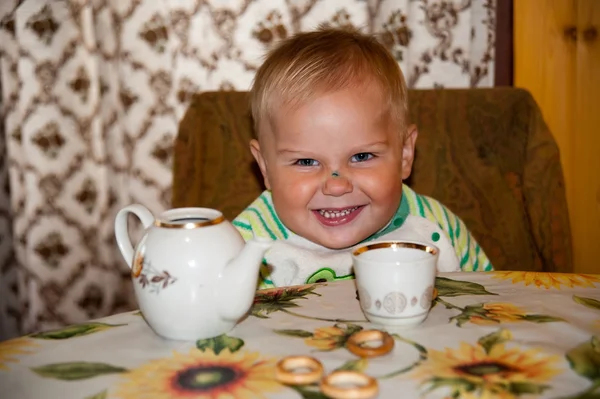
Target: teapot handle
x,y
122,233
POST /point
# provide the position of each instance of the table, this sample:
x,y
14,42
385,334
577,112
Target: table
x,y
497,334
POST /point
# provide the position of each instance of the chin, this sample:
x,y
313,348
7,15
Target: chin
x,y
338,240
336,246
341,243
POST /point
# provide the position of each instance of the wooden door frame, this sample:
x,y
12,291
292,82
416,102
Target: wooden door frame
x,y
503,66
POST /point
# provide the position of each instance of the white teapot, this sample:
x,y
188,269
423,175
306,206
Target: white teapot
x,y
193,276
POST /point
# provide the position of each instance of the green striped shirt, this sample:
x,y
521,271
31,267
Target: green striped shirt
x,y
260,220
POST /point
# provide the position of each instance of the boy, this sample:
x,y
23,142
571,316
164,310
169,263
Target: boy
x,y
334,145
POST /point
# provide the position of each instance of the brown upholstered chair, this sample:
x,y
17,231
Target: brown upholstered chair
x,y
485,153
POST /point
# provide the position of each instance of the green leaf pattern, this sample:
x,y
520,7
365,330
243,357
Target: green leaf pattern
x,y
489,341
588,302
584,360
99,395
76,370
295,333
220,343
77,330
448,288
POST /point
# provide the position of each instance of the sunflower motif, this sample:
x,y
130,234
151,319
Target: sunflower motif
x,y
494,313
463,393
498,312
547,280
201,375
11,348
330,338
488,372
280,299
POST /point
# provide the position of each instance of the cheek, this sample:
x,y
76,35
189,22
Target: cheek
x,y
385,186
294,189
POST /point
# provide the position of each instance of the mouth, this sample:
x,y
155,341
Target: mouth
x,y
337,216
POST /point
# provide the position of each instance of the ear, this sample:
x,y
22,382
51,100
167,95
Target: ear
x,y
408,150
260,160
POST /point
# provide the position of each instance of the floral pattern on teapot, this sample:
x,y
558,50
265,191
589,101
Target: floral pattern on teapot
x,y
154,279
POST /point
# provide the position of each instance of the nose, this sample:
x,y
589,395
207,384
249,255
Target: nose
x,y
337,186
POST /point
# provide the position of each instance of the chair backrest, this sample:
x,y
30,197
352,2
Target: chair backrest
x,y
485,153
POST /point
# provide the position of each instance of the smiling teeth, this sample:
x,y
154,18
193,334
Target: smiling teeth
x,y
337,214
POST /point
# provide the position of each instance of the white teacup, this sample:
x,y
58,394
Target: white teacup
x,y
395,281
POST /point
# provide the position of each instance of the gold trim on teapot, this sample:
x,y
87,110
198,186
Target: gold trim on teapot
x,y
189,225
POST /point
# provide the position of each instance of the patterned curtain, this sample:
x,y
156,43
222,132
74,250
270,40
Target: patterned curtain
x,y
92,93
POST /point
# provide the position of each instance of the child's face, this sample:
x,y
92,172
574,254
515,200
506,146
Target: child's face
x,y
345,132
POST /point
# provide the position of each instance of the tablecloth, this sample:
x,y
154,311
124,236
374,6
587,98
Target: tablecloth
x,y
490,335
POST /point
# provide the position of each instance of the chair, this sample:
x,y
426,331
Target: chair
x,y
487,154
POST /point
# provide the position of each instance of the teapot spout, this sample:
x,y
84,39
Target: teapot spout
x,y
239,279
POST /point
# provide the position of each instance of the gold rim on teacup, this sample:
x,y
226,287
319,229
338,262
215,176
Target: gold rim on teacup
x,y
395,244
189,225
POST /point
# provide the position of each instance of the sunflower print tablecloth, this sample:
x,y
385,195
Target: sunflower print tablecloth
x,y
489,335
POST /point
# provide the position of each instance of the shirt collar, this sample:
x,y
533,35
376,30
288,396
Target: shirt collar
x,y
397,220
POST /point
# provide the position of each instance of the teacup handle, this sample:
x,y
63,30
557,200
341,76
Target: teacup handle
x,y
122,233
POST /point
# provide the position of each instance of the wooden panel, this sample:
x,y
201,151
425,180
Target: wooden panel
x,y
585,142
563,74
545,63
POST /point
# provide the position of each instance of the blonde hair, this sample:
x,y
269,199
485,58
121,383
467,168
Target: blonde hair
x,y
325,61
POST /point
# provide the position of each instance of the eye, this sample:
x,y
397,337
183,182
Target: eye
x,y
307,162
362,157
